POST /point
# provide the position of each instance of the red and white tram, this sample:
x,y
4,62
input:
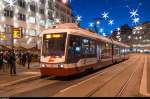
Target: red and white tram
x,y
68,49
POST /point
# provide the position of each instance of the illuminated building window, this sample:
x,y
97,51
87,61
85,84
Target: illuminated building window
x,y
42,1
41,11
50,15
32,32
21,17
8,13
22,3
50,5
42,22
33,8
32,20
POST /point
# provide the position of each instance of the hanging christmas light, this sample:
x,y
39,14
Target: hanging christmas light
x,y
105,15
10,3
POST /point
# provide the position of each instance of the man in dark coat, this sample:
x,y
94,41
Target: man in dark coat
x,y
1,60
24,59
29,59
12,62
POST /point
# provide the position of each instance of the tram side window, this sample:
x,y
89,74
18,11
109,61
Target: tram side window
x,y
88,48
74,49
122,51
126,51
85,47
116,50
93,48
106,50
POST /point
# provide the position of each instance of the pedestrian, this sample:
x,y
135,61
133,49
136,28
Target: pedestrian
x,y
29,59
12,62
24,59
5,60
1,59
19,56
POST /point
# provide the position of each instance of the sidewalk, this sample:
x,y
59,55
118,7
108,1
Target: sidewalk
x,y
148,73
23,73
145,81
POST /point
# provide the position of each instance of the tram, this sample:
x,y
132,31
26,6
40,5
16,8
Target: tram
x,y
68,50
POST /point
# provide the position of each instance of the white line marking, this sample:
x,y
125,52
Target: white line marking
x,y
143,86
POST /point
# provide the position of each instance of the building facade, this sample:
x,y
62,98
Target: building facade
x,y
123,34
31,17
141,37
138,37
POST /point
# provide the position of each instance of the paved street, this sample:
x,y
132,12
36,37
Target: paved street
x,y
148,68
120,80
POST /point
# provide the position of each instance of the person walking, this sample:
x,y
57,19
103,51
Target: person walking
x,y
20,58
29,59
5,60
24,59
12,62
1,60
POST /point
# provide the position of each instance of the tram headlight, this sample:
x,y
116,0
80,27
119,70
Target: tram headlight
x,y
61,66
43,65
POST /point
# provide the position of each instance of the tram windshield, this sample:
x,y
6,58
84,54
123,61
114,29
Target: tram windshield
x,y
54,44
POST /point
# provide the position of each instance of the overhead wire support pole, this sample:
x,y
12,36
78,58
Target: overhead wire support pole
x,y
96,20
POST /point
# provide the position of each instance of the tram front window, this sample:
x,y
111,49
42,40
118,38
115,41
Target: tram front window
x,y
54,44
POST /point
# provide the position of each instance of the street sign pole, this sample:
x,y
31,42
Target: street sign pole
x,y
12,38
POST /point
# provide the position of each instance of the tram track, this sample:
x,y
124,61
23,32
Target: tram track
x,y
100,74
121,90
59,83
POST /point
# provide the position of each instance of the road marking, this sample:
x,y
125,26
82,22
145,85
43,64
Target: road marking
x,y
143,86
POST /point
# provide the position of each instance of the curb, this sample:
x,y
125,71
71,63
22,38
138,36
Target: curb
x,y
20,81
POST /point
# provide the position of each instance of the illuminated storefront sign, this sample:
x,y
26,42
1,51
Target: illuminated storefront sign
x,y
2,36
17,33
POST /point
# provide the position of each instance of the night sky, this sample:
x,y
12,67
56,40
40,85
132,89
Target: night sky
x,y
118,11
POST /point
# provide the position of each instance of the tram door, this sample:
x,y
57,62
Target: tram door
x,y
99,52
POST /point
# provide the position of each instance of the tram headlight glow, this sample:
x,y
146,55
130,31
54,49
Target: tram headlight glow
x,y
61,66
43,65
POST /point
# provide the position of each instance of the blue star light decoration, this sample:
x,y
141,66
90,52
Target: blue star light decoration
x,y
111,22
136,20
91,24
79,18
134,13
105,15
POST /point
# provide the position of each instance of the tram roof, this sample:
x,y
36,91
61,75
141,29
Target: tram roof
x,y
72,28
